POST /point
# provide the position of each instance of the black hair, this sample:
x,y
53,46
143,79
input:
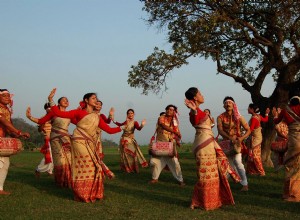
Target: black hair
x,y
254,107
170,106
59,100
191,93
3,90
228,98
130,110
207,110
296,94
100,101
47,105
88,95
162,113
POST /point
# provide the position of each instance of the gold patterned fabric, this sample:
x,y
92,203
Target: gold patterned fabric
x,y
292,164
254,163
130,153
212,189
61,151
87,173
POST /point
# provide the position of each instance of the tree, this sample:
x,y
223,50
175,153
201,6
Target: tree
x,y
248,40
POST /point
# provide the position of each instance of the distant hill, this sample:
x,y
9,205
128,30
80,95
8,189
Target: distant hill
x,y
36,138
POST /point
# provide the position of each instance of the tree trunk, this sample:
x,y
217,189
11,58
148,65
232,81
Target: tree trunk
x,y
269,134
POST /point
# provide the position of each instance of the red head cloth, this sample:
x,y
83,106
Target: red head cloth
x,y
82,104
236,113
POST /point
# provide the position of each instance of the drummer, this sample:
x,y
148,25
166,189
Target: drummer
x,y
6,130
167,131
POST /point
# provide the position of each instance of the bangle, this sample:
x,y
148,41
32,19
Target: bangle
x,y
52,103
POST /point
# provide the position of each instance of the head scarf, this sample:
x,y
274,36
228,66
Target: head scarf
x,y
82,105
295,97
236,113
10,105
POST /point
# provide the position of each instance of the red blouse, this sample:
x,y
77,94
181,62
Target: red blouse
x,y
284,115
49,116
78,114
136,125
196,119
105,119
255,123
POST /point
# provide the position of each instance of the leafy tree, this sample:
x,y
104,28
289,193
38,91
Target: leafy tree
x,y
248,40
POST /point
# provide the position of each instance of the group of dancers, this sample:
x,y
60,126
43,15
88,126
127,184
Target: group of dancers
x,y
78,163
212,189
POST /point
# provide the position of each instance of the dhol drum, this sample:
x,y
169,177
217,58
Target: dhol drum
x,y
162,149
229,148
280,145
10,146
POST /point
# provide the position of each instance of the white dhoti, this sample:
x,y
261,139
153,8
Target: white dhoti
x,y
4,164
159,163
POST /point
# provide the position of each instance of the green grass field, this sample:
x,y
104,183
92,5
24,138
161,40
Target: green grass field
x,y
130,196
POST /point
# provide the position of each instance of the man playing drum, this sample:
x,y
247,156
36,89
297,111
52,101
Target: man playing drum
x,y
6,130
167,131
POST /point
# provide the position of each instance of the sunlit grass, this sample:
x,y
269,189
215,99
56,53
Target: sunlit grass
x,y
130,196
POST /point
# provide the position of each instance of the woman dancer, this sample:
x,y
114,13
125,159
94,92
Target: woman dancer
x,y
291,115
60,141
46,164
87,172
131,154
254,164
107,120
212,189
279,146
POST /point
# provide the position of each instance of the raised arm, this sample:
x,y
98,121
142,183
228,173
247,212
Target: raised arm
x,y
139,127
42,120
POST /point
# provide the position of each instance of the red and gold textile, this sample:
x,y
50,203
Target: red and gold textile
x,y
212,189
254,163
130,152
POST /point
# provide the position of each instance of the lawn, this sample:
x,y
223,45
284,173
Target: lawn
x,y
130,196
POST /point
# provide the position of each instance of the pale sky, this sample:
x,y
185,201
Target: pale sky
x,y
81,46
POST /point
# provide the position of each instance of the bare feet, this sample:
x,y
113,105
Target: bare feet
x,y
291,199
153,181
245,188
2,192
37,174
181,184
192,207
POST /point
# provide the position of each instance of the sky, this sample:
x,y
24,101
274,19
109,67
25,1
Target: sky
x,y
81,46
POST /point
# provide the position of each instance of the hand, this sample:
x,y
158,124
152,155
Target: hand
x,y
28,113
178,134
267,111
25,135
233,138
111,113
51,95
123,127
190,104
42,128
143,122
